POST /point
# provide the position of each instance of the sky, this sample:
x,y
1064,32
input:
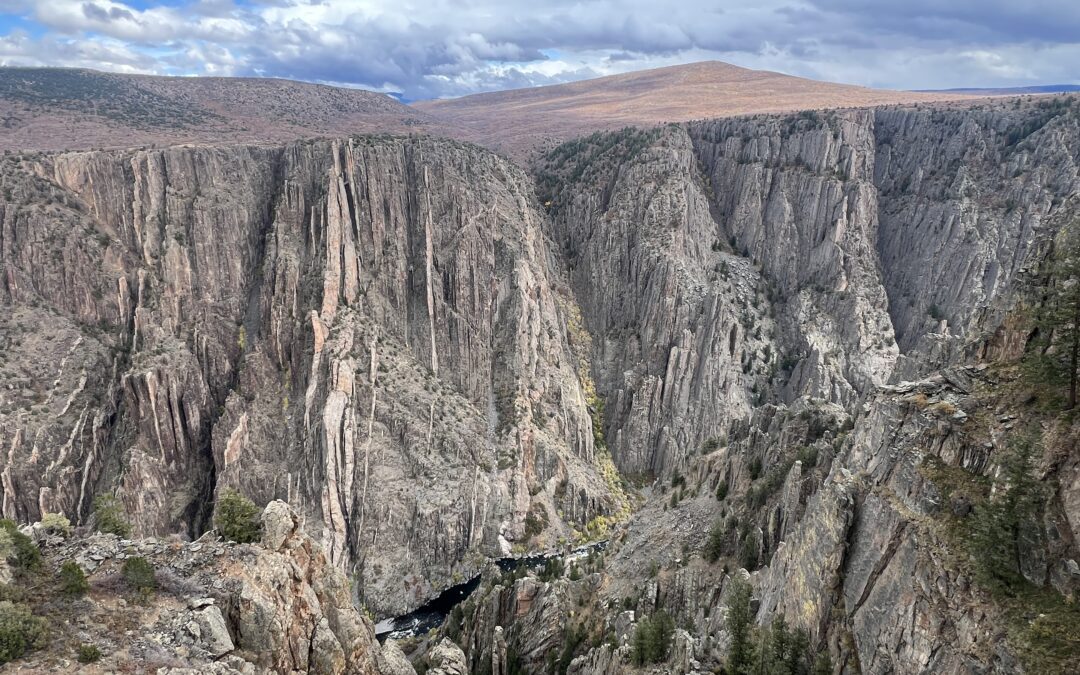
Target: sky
x,y
434,48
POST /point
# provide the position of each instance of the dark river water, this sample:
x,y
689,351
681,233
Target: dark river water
x,y
432,614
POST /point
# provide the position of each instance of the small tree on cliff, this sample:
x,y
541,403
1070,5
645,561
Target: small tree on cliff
x,y
1054,356
739,619
1004,524
237,518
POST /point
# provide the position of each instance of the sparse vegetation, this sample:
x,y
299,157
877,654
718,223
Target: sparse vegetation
x,y
109,517
73,581
138,573
237,518
20,631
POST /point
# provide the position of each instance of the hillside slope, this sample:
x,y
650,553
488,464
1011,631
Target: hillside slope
x,y
520,120
68,109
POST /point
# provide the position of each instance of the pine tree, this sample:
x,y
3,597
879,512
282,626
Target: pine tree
x,y
739,618
714,546
1054,355
652,639
237,518
1003,525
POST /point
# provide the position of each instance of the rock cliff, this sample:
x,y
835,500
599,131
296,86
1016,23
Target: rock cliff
x,y
372,329
794,334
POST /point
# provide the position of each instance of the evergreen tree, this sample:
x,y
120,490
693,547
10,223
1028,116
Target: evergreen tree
x,y
1004,524
652,639
109,516
237,518
739,618
714,545
1054,356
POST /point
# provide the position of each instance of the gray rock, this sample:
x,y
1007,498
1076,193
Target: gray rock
x,y
279,521
392,661
214,631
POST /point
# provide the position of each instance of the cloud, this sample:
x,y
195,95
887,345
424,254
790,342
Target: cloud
x,y
447,48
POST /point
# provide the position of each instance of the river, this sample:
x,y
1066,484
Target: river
x,y
431,614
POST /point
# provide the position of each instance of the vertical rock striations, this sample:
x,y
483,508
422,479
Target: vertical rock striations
x,y
369,328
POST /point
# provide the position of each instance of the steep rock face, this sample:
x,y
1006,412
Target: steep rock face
x,y
852,231
370,328
966,198
796,195
679,326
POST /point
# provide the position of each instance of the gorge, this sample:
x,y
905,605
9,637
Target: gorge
x,y
802,327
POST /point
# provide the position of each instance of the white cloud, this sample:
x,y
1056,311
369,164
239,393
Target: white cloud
x,y
441,48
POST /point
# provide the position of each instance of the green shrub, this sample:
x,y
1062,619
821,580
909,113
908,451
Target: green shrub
x,y
139,574
22,552
56,523
89,653
72,580
109,516
721,491
237,518
20,631
755,468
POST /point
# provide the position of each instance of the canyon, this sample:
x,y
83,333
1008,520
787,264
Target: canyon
x,y
803,324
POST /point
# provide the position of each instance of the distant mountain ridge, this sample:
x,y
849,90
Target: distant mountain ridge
x,y
62,108
1008,91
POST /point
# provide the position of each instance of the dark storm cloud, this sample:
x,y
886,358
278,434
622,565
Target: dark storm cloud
x,y
443,48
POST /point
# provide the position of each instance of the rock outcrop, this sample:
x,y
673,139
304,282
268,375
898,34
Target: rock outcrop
x,y
219,607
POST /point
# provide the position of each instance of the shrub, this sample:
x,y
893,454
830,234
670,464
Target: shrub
x,y
20,631
237,518
109,516
56,523
23,552
139,574
72,580
89,653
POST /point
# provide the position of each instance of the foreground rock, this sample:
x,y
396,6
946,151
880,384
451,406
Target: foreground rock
x,y
277,607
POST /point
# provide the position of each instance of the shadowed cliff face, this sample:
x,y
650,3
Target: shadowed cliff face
x,y
370,329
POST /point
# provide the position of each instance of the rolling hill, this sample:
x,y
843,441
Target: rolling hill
x,y
539,117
